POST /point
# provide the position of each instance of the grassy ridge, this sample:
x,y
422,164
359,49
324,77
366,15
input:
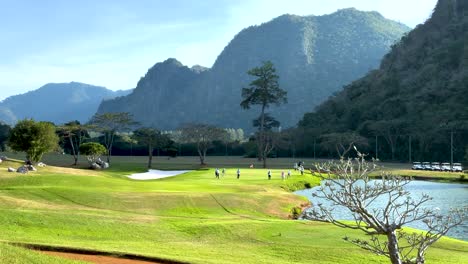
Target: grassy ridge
x,y
16,255
192,217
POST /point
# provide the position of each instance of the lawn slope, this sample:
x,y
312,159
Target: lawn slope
x,y
191,217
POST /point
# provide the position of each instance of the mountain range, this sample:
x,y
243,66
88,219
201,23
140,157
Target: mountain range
x,y
314,57
57,103
418,95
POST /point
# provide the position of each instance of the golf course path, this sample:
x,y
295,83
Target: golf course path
x,y
97,258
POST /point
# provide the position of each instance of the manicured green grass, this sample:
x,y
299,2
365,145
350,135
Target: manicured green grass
x,y
428,175
192,217
16,255
186,162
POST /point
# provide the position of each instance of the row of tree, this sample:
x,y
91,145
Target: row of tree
x,y
37,138
314,137
317,136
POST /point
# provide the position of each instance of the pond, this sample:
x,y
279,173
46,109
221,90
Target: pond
x,y
445,196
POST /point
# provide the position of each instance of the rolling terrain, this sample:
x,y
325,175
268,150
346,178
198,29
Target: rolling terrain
x,y
190,218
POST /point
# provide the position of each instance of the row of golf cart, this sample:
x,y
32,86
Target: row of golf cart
x,y
437,166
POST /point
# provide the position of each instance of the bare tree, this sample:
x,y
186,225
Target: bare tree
x,y
75,133
266,138
348,184
270,140
203,135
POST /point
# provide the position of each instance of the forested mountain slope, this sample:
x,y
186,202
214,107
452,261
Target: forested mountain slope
x,y
419,93
314,55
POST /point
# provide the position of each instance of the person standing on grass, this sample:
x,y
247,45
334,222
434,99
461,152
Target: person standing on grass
x,y
223,172
289,173
282,175
238,173
217,173
269,174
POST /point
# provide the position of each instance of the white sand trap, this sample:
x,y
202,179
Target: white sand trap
x,y
156,174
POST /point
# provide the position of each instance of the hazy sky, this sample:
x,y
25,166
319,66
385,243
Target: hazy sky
x,y
112,43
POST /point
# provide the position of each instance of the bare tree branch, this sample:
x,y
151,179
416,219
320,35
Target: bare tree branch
x,y
347,184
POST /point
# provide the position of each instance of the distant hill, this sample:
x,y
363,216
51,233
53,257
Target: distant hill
x,y
314,55
56,102
419,91
165,97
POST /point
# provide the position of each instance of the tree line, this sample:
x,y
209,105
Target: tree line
x,y
109,132
317,135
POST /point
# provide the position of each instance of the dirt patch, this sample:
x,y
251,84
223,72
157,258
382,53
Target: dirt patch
x,y
96,258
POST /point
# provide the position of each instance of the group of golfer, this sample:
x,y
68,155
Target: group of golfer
x,y
223,172
297,167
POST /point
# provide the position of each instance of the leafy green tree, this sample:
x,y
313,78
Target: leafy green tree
x,y
342,143
109,124
240,135
34,138
149,137
390,130
466,154
203,136
263,91
232,135
5,131
93,151
73,132
269,122
127,138
402,108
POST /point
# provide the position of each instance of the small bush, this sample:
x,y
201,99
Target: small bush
x,y
92,150
296,211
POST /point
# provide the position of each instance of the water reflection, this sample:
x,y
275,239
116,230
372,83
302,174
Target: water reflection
x,y
445,196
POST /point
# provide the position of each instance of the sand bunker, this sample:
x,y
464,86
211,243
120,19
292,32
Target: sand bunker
x,y
155,174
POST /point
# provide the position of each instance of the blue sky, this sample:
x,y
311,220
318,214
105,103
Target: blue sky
x,y
113,43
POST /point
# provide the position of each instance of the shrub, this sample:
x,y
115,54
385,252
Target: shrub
x,y
92,150
296,211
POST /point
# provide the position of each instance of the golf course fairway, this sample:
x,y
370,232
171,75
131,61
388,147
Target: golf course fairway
x,y
192,217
